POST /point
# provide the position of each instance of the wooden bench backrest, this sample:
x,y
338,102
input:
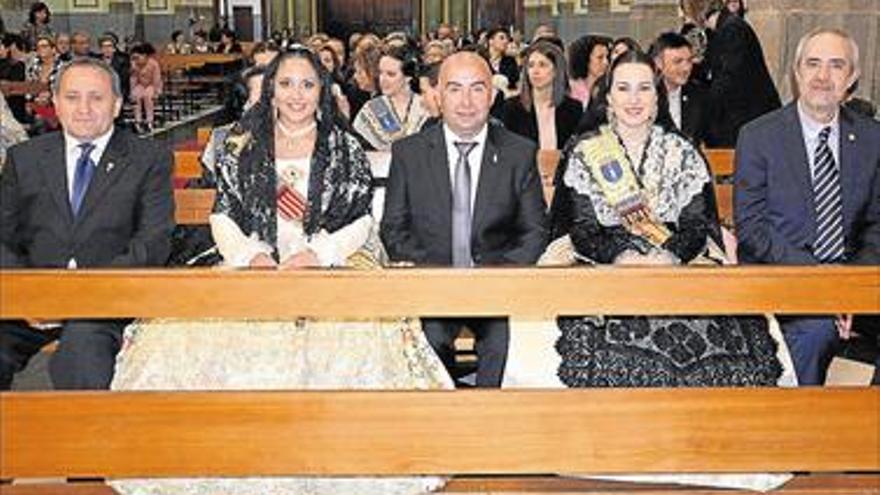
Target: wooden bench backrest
x,y
187,164
519,292
173,62
721,161
131,434
203,135
193,206
22,88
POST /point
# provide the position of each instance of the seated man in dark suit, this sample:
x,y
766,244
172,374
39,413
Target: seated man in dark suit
x,y
673,56
807,188
465,193
89,196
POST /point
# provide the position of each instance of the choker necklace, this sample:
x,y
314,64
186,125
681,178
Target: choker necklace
x,y
292,136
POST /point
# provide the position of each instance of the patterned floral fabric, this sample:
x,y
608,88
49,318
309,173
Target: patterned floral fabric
x,y
658,351
277,355
370,126
667,352
11,132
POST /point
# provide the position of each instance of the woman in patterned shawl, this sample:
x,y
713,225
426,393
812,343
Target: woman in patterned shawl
x,y
293,191
639,193
398,111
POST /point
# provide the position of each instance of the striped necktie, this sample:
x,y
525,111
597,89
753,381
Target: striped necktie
x,y
829,245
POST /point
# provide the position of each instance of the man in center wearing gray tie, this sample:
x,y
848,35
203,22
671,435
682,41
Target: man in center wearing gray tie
x,y
807,190
465,193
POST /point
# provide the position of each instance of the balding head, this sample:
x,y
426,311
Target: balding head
x,y
466,93
465,61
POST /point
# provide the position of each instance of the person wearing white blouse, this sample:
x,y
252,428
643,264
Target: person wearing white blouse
x,y
293,190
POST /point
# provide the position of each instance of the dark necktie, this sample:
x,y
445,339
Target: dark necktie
x,y
461,207
85,168
829,245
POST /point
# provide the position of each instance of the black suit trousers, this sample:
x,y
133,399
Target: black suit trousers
x,y
85,358
492,334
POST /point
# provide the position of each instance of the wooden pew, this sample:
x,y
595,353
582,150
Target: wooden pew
x,y
721,161
203,135
174,62
22,88
193,206
187,164
511,432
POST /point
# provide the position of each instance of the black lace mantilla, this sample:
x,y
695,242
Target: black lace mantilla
x,y
667,352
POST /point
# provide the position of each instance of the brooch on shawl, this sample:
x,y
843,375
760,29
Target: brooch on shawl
x,y
236,142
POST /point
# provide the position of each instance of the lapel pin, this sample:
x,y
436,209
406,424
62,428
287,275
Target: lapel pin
x,y
110,166
851,137
494,157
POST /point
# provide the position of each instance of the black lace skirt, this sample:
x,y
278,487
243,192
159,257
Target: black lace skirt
x,y
667,352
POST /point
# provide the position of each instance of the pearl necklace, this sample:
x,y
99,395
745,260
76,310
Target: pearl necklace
x,y
292,136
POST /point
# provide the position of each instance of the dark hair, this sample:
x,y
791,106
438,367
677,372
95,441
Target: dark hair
x,y
175,34
631,44
44,37
264,47
581,50
556,40
663,119
326,48
742,8
431,71
250,72
408,58
228,33
560,75
38,7
143,49
109,35
10,39
668,41
259,120
498,29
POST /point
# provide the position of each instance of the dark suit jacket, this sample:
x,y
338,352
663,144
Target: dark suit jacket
x,y
126,217
741,88
508,68
525,123
773,194
508,218
694,101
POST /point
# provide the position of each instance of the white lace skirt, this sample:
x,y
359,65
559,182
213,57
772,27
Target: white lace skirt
x,y
270,355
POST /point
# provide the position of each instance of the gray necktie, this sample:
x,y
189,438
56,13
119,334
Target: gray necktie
x,y
461,207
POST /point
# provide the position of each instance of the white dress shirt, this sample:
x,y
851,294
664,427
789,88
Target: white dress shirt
x,y
475,158
811,129
675,106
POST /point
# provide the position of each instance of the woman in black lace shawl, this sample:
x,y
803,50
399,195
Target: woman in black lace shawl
x,y
293,191
665,215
